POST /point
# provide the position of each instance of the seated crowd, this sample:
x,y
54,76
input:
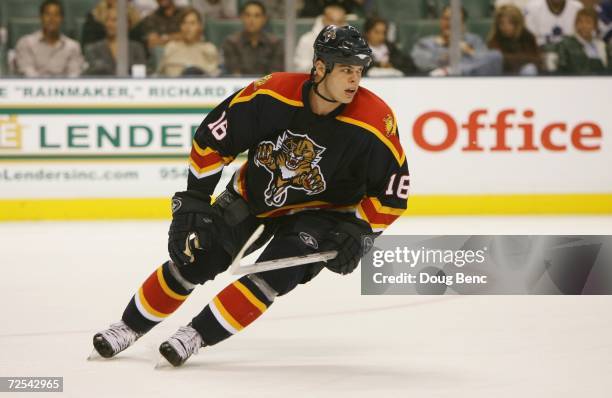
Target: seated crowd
x,y
166,38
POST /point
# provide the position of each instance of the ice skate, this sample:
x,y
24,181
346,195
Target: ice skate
x,y
115,339
181,345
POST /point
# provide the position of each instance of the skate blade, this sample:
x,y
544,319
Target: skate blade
x,y
94,355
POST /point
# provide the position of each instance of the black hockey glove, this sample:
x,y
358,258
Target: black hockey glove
x,y
348,240
194,224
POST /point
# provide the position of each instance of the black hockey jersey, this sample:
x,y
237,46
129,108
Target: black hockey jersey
x,y
350,160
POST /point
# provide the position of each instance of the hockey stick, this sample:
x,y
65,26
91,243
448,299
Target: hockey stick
x,y
237,269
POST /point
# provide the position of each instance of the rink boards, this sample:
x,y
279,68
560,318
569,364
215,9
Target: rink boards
x,y
96,149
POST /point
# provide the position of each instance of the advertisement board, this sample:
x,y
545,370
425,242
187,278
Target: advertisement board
x,y
474,146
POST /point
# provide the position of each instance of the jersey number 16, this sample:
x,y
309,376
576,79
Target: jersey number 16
x,y
403,186
219,127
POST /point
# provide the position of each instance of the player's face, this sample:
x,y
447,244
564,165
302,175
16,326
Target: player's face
x,y
342,83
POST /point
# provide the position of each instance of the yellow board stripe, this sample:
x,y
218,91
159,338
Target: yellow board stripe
x,y
85,209
399,157
148,307
226,315
266,91
250,296
420,205
536,204
166,288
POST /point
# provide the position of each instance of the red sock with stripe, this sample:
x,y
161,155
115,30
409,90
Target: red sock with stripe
x,y
233,309
158,297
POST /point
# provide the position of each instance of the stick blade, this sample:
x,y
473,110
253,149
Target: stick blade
x,y
287,262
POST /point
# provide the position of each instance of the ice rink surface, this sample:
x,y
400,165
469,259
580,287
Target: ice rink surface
x,y
61,282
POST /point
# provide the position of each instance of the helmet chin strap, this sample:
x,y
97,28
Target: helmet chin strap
x,y
316,90
315,86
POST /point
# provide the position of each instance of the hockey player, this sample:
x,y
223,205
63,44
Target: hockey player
x,y
325,168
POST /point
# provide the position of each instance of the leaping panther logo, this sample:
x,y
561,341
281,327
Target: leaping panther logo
x,y
293,163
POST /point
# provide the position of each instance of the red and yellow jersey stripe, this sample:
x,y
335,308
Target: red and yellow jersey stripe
x,y
372,114
388,140
206,162
371,210
284,86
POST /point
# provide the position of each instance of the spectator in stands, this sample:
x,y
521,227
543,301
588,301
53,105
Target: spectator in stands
x,y
604,10
550,20
190,55
314,8
253,51
47,52
363,8
161,26
146,7
276,8
517,44
333,14
101,56
94,28
217,9
388,59
431,54
584,53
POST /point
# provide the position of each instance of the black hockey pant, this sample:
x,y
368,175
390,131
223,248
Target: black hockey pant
x,y
241,302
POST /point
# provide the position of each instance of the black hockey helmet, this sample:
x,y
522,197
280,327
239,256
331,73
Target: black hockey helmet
x,y
341,44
